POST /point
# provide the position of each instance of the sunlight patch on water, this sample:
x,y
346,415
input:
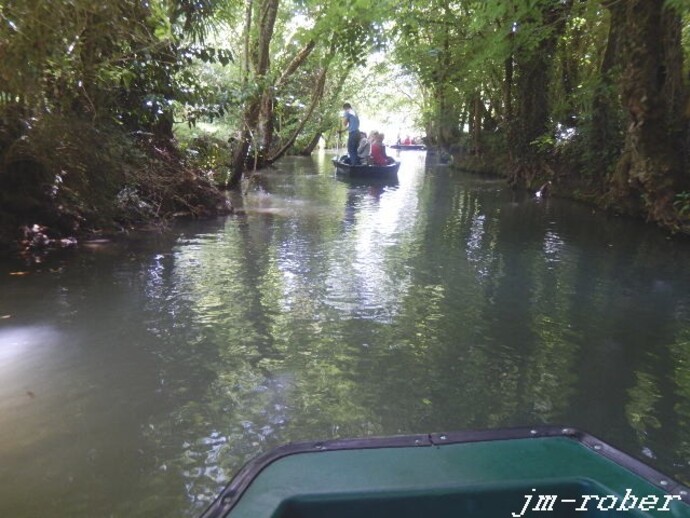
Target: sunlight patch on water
x,y
368,277
21,343
553,247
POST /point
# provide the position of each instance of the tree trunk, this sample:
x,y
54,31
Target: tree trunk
x,y
650,169
604,142
239,159
446,115
247,40
533,82
570,75
508,88
267,118
266,127
318,94
508,82
257,51
477,106
311,146
532,111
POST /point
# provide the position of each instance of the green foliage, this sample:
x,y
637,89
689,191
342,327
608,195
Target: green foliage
x,y
682,204
123,60
82,83
544,143
457,63
68,174
679,5
686,42
66,171
209,152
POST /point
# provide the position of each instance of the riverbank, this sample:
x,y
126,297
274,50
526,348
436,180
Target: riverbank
x,y
66,182
560,175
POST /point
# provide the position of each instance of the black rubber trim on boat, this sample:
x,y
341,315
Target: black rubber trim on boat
x,y
229,496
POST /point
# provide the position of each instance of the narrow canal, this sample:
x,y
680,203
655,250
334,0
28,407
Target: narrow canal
x,y
137,376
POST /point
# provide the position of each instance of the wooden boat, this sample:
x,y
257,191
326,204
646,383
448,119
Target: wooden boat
x,y
408,146
479,474
343,166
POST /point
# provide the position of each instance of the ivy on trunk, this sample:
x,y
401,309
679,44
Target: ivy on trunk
x,y
650,170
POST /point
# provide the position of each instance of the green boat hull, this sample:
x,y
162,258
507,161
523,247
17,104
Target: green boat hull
x,y
494,474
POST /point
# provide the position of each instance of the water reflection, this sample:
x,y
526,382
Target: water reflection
x,y
328,308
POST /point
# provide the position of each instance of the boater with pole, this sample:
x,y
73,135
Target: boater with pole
x,y
351,122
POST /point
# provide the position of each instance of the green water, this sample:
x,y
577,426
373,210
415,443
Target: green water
x,y
137,376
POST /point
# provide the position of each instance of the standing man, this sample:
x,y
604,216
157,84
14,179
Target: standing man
x,y
351,122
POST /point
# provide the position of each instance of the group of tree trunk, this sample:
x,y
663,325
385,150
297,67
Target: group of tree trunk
x,y
258,117
588,95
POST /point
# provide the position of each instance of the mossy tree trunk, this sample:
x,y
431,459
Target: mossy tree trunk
x,y
650,170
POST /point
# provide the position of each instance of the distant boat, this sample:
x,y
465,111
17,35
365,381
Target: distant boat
x,y
510,472
343,166
408,146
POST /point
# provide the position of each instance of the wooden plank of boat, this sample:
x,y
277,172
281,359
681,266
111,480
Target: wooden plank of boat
x,y
408,146
479,474
372,171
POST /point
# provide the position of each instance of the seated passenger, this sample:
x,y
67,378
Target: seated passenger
x,y
363,149
378,150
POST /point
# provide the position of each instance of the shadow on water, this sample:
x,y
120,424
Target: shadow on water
x,y
136,378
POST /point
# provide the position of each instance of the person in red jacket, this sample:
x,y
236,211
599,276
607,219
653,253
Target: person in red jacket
x,y
378,150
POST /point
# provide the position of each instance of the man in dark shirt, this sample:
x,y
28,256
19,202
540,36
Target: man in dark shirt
x,y
351,123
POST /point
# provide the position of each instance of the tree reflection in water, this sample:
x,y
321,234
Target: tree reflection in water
x,y
332,309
